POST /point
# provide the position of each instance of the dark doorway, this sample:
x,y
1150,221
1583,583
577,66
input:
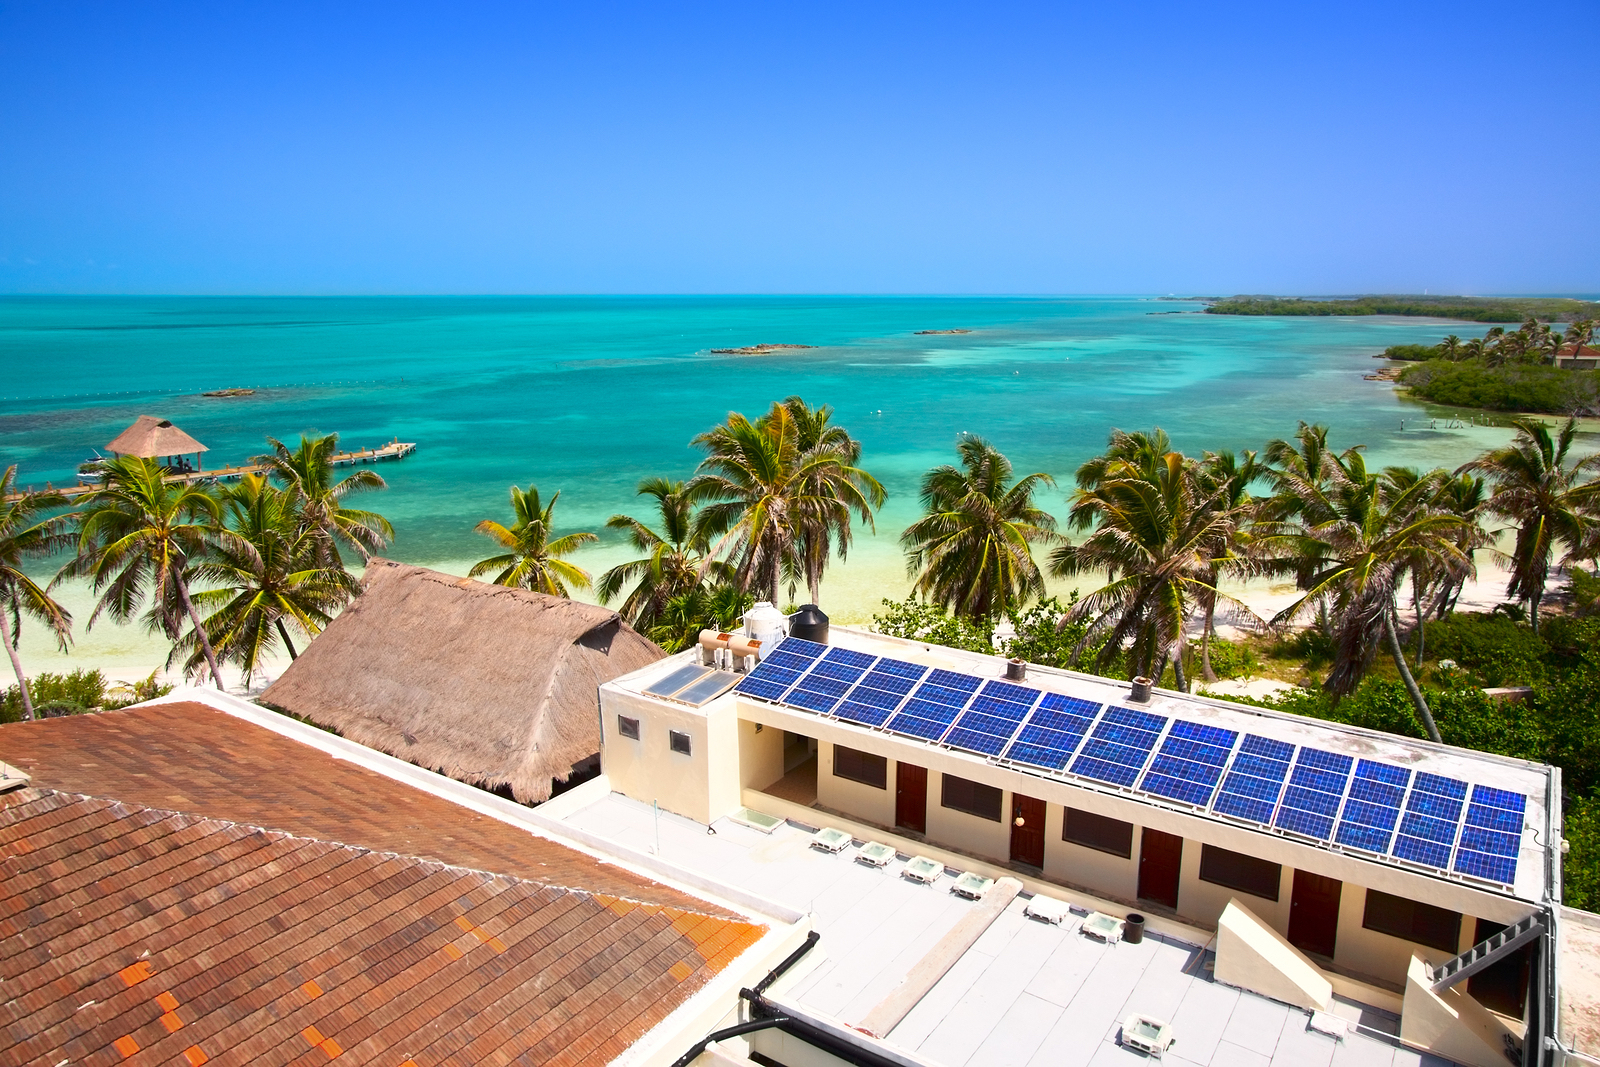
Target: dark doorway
x,y
1027,830
1501,986
1314,913
911,797
1160,864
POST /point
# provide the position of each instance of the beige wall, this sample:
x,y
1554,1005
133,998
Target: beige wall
x,y
760,754
648,769
1205,901
969,833
841,794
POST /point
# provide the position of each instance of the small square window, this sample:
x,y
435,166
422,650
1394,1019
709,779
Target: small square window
x,y
679,741
628,727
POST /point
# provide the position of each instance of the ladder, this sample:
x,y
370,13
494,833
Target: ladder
x,y
1490,950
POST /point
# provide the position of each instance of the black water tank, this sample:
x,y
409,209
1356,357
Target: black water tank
x,y
809,623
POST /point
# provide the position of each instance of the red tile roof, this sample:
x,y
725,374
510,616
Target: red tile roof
x,y
193,758
134,933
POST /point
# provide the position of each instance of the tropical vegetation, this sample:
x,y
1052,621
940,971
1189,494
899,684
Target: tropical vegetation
x,y
27,533
971,553
1505,371
533,559
1470,308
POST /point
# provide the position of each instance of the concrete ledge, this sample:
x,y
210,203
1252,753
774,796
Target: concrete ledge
x,y
1252,955
926,972
1450,1024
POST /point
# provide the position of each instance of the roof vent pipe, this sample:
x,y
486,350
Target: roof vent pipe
x,y
1016,669
1141,690
809,623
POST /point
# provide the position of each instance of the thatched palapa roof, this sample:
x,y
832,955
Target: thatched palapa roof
x,y
152,438
485,684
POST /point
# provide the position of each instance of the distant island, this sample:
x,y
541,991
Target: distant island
x,y
230,392
756,350
924,333
1469,308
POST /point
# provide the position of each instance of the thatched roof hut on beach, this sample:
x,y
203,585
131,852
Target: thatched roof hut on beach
x,y
488,685
153,438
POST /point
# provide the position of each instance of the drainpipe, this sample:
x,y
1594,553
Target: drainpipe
x,y
767,1020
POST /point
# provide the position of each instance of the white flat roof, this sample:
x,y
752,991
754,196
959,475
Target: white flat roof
x,y
1024,993
1472,767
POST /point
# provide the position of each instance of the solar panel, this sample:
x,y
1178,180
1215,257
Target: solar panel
x,y
1190,763
774,675
1119,746
665,687
1053,732
1428,827
825,685
934,705
706,689
1373,807
1255,780
991,719
1492,835
880,692
1311,799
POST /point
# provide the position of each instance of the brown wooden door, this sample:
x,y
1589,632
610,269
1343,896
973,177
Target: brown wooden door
x,y
911,797
1027,830
1160,863
1314,913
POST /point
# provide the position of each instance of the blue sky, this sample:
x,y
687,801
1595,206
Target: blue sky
x,y
984,147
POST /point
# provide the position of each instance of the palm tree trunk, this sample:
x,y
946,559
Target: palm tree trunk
x,y
16,665
1393,641
1416,603
283,632
199,630
1177,672
1205,640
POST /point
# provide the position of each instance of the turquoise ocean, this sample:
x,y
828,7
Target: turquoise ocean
x,y
587,395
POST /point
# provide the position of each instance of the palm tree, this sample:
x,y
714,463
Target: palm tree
x,y
1537,489
766,498
1579,334
674,555
1163,533
307,472
141,536
972,550
24,535
1230,476
1450,348
847,481
269,575
1355,538
533,560
715,606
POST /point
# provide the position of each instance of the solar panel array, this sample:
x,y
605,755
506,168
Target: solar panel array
x,y
1362,805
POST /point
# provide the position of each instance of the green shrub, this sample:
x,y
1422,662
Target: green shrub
x,y
1580,868
1412,353
916,621
1230,659
82,688
1495,649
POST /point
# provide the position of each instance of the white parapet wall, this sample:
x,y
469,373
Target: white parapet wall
x,y
1451,1023
1254,956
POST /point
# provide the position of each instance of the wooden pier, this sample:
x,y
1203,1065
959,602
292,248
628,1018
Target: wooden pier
x,y
396,449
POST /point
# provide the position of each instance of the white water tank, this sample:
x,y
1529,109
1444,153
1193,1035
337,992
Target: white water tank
x,y
766,624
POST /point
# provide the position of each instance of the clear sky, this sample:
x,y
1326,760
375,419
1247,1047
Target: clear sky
x,y
810,147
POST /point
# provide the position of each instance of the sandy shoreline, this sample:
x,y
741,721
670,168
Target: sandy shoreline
x,y
127,655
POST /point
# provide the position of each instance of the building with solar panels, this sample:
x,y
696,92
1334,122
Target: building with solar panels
x,y
1319,859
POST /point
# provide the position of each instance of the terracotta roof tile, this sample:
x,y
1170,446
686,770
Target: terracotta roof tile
x,y
192,758
222,928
